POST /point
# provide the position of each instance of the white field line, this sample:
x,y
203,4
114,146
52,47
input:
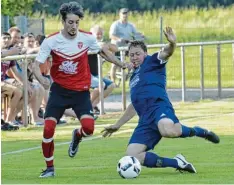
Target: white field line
x,y
64,143
99,136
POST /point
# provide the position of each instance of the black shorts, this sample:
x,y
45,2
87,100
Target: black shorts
x,y
61,99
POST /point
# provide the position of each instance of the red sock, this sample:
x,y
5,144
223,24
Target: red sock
x,y
48,142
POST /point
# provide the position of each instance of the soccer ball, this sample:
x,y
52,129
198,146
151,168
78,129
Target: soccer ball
x,y
129,167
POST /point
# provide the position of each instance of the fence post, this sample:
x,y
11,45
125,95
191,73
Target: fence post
x,y
183,74
202,71
25,91
161,29
101,89
122,56
219,71
233,58
43,26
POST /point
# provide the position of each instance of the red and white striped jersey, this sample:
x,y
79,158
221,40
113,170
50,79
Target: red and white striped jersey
x,y
70,66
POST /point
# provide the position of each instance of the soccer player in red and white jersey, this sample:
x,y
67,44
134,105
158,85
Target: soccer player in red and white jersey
x,y
71,79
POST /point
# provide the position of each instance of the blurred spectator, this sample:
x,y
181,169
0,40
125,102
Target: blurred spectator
x,y
37,90
108,85
121,33
6,49
29,40
29,45
15,36
8,88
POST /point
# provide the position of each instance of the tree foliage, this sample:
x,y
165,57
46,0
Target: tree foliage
x,y
17,7
95,6
25,7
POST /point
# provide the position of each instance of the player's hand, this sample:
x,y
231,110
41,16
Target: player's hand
x,y
108,131
128,66
170,35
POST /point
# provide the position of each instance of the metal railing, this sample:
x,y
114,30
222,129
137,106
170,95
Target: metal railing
x,y
122,49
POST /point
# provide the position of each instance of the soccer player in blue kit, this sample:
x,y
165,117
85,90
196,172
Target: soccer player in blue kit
x,y
150,101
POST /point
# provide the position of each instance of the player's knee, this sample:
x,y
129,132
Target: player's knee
x,y
49,128
87,125
139,155
170,132
167,128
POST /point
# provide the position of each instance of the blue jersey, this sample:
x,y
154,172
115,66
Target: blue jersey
x,y
148,82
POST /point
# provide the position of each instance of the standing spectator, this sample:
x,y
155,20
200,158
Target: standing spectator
x,y
121,33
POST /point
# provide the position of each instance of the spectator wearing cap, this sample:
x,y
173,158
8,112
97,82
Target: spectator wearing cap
x,y
121,33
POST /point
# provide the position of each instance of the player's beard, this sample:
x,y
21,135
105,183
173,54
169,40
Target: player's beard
x,y
72,33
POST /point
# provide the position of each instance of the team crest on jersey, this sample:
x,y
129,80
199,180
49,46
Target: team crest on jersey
x,y
68,67
80,45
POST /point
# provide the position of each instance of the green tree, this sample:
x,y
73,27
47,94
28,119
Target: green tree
x,y
17,7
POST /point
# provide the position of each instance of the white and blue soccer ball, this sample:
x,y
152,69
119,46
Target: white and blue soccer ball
x,y
129,167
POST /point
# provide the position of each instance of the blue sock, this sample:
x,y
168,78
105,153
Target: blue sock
x,y
200,132
187,131
154,161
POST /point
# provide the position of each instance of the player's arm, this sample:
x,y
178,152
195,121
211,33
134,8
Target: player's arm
x,y
128,114
111,47
169,49
42,56
45,82
110,57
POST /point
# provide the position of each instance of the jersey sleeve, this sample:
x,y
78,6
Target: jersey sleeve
x,y
113,29
93,45
156,61
44,52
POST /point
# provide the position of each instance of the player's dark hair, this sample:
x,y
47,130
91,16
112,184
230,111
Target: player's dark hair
x,y
71,8
136,43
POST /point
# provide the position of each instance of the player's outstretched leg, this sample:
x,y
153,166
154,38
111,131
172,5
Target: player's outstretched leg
x,y
152,160
200,132
207,134
86,130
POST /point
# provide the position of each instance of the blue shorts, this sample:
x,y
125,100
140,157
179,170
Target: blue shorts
x,y
95,82
61,99
147,132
